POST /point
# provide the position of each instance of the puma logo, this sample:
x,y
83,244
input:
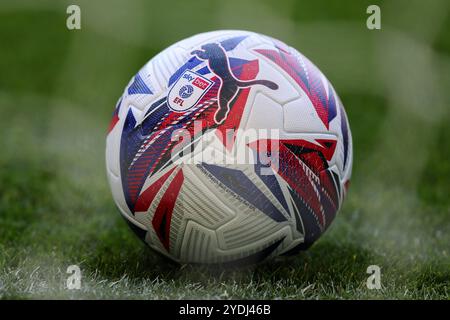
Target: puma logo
x,y
218,63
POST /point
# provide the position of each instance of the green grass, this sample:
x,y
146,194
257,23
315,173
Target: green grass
x,y
58,89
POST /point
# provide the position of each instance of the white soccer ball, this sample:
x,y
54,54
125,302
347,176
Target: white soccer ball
x,y
229,147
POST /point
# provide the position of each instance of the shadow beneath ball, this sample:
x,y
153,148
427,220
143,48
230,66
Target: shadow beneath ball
x,y
327,261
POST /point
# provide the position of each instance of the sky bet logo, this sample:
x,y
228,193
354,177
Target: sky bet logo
x,y
187,91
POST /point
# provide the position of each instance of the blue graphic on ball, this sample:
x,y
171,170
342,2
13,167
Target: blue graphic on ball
x,y
186,91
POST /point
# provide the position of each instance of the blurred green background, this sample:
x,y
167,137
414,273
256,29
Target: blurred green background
x,y
58,89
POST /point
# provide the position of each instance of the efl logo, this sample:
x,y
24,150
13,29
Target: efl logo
x,y
187,91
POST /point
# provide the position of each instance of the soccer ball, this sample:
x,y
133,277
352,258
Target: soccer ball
x,y
229,147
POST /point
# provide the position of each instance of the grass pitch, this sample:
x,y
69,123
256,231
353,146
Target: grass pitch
x,y
58,89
